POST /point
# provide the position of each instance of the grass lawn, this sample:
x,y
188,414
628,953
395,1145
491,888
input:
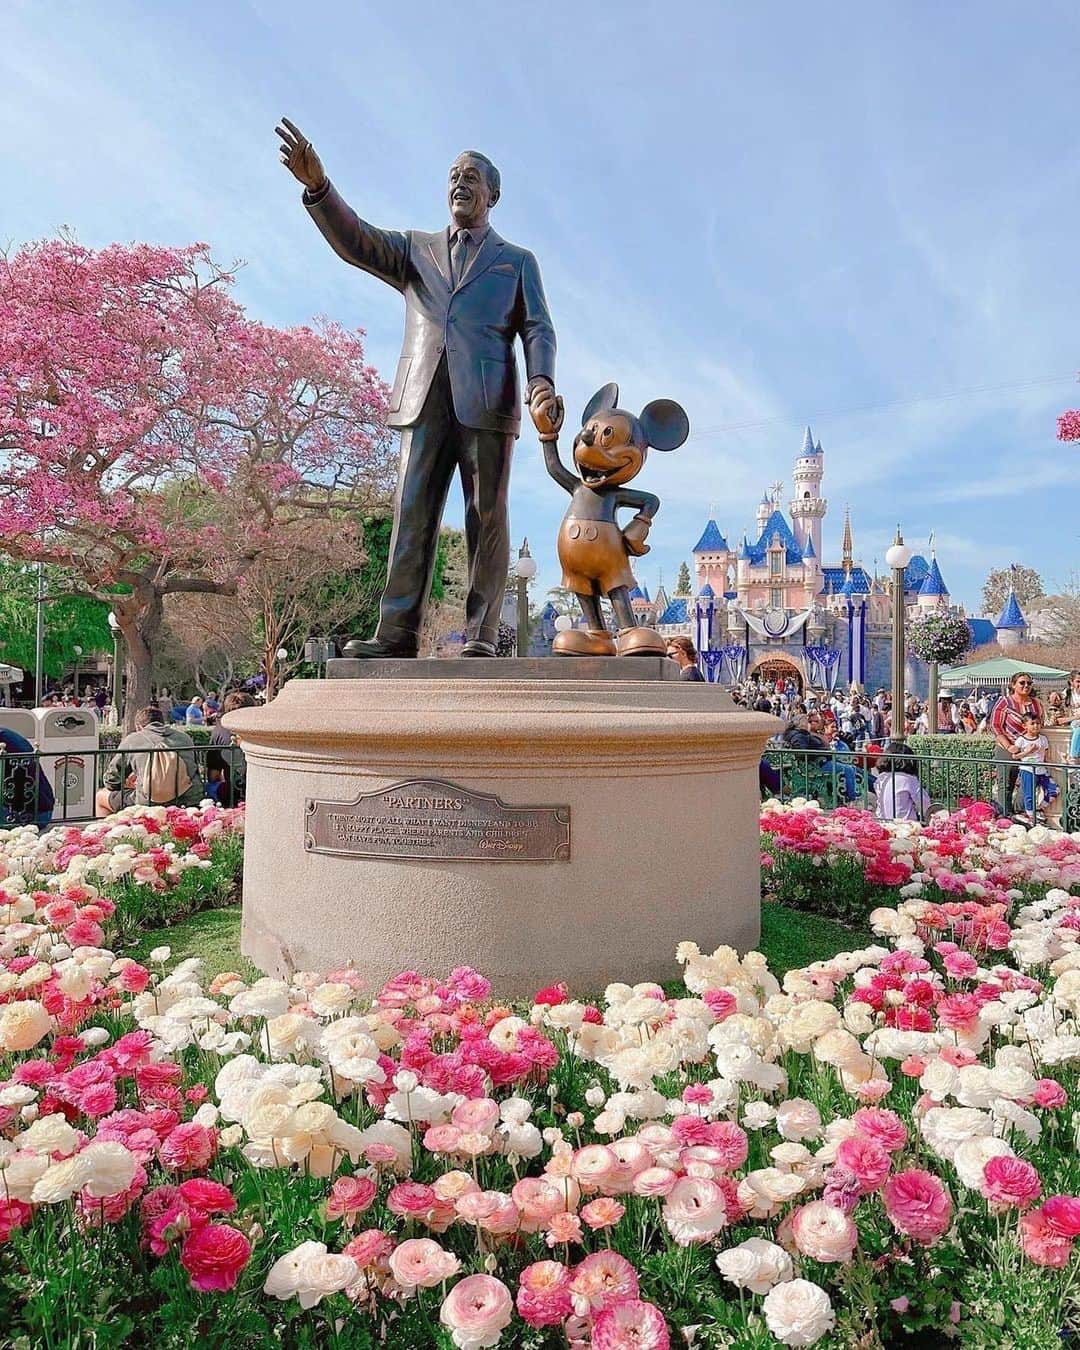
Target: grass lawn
x,y
789,938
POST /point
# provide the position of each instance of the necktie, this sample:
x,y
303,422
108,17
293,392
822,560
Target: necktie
x,y
459,256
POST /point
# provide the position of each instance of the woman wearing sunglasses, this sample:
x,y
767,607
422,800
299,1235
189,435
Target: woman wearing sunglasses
x,y
1007,726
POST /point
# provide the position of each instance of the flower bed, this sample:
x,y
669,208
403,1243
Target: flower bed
x,y
151,865
846,862
880,1149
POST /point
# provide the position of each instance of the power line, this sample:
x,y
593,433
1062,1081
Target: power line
x,y
882,407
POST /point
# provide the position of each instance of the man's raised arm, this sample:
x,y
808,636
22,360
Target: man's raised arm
x,y
383,253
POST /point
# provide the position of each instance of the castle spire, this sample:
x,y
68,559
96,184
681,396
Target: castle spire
x,y
846,560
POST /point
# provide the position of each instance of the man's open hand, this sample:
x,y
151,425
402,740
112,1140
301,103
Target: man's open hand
x,y
299,157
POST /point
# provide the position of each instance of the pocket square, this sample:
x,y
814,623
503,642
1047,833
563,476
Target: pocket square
x,y
508,268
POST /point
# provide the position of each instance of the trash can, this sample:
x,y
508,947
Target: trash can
x,y
68,740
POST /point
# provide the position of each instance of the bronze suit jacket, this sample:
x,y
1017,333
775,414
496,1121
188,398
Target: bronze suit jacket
x,y
475,323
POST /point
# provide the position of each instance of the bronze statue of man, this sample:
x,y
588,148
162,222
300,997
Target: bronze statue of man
x,y
468,295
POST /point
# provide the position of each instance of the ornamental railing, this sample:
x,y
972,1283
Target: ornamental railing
x,y
57,787
1045,793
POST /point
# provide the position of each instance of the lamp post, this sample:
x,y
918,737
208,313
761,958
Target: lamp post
x,y
78,653
525,570
898,557
117,678
39,638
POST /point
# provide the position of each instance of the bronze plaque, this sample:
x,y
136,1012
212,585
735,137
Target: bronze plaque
x,y
433,821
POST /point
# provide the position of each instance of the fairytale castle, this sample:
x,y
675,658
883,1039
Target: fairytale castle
x,y
772,606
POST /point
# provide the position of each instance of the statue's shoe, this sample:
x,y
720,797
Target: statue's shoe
x,y
583,642
375,649
478,647
640,642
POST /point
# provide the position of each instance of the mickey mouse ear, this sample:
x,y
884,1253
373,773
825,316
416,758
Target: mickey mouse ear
x,y
602,401
665,424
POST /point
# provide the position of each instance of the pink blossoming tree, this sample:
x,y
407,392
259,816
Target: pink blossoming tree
x,y
154,440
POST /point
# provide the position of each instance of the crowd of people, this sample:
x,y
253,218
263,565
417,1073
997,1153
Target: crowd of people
x,y
845,732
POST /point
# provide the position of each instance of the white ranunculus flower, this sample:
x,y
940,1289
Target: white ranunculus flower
x,y
61,1181
23,1025
972,1156
50,1134
20,1172
798,1119
755,1265
111,1168
798,1313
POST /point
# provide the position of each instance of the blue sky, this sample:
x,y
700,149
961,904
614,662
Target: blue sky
x,y
861,216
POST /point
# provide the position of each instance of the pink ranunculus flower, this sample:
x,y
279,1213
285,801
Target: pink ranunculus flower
x,y
420,1263
633,1325
1009,1182
917,1204
543,1296
410,1199
1063,1214
593,1166
480,1115
562,1229
694,1210
1049,1094
1043,1244
602,1280
370,1249
538,1198
604,1212
824,1232
214,1255
476,1311
655,1181
188,1148
877,1122
350,1197
866,1160
206,1196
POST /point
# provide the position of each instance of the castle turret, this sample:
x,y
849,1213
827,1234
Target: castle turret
x,y
711,558
1010,623
933,593
764,511
808,507
847,562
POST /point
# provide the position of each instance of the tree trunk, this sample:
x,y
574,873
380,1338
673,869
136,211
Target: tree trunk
x,y
139,616
932,699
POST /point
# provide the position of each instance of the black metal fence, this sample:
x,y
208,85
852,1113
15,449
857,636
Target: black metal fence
x,y
1047,792
48,788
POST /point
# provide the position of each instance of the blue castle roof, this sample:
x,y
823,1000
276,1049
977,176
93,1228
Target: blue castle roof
x,y
809,551
933,582
982,632
848,588
707,592
550,611
833,581
915,573
808,446
676,611
1012,616
640,593
776,524
711,541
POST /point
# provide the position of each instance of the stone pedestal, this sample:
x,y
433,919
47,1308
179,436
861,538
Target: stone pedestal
x,y
658,777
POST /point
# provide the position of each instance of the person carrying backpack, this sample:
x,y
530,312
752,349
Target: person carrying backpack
x,y
167,777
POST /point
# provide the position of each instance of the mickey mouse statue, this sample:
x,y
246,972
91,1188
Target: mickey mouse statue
x,y
609,450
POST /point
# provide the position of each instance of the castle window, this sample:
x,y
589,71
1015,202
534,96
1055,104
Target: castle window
x,y
776,562
806,496
776,598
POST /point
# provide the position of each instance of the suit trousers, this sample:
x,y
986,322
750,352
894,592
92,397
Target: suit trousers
x,y
430,451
